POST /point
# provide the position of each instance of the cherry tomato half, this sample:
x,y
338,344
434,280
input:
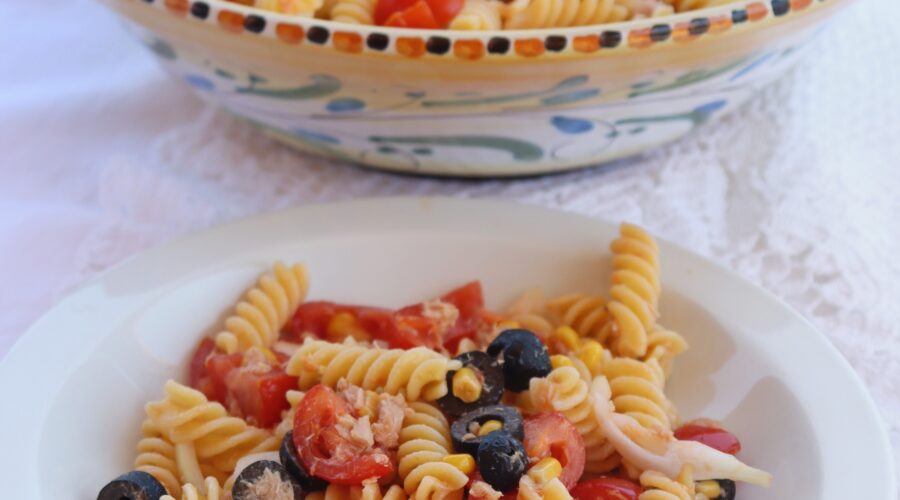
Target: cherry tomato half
x,y
197,369
260,396
440,12
606,488
323,451
713,437
551,434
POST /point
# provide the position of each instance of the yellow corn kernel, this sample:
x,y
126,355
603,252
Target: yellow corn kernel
x,y
545,470
555,490
462,461
508,324
710,489
466,385
344,325
558,361
566,337
591,353
489,427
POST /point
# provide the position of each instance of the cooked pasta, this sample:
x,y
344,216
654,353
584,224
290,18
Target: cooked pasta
x,y
299,8
635,290
523,14
156,456
220,440
585,314
565,391
686,5
350,402
417,373
258,318
424,443
478,15
658,486
353,11
637,390
211,491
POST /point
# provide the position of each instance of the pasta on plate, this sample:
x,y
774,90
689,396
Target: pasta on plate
x,y
555,398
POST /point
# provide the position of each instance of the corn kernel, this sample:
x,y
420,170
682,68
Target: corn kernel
x,y
545,470
558,361
466,385
591,353
462,461
344,325
710,489
489,427
507,324
567,338
555,490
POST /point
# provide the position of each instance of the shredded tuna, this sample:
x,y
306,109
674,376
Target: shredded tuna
x,y
480,490
255,361
270,487
528,489
391,411
353,395
442,313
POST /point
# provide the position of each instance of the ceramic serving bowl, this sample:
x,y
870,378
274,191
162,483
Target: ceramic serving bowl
x,y
461,103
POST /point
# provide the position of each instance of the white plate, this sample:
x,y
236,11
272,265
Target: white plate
x,y
73,388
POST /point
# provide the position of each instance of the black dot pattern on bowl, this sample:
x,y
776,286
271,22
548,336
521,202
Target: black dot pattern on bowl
x,y
254,23
660,32
318,34
698,26
438,45
555,43
498,45
200,10
781,7
739,16
610,39
377,41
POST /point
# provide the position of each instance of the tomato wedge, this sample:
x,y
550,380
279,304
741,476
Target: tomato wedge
x,y
260,396
469,300
551,434
606,488
713,437
438,12
197,367
323,451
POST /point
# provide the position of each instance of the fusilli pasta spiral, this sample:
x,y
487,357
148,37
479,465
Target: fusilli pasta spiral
x,y
258,318
585,314
635,290
156,456
565,391
478,15
354,11
522,14
685,5
417,374
186,416
211,491
424,442
300,8
368,491
637,390
657,486
663,346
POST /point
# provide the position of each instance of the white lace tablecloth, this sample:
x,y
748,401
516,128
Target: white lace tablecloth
x,y
102,156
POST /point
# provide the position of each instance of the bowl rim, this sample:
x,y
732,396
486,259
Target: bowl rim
x,y
567,42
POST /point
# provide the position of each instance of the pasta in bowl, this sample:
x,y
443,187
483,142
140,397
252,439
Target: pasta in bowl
x,y
524,87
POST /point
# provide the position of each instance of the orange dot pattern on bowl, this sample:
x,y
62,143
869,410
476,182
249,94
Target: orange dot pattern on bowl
x,y
465,47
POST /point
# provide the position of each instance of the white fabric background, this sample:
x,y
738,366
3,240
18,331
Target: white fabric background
x,y
101,156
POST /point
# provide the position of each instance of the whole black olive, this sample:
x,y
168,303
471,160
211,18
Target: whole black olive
x,y
524,357
264,475
134,485
288,456
501,460
490,376
467,441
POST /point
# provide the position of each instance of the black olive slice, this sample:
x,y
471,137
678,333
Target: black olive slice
x,y
466,441
491,375
264,477
134,485
288,456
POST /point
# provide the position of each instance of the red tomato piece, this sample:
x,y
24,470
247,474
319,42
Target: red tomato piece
x,y
197,370
218,366
551,434
713,437
469,300
606,488
260,396
324,453
441,12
